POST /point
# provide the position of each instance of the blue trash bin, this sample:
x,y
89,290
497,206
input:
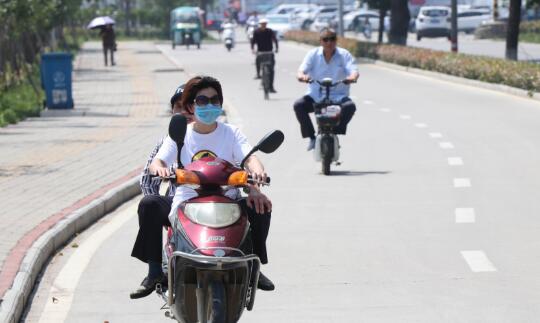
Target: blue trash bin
x,y
56,71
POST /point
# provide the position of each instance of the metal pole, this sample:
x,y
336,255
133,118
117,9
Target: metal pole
x,y
341,32
454,30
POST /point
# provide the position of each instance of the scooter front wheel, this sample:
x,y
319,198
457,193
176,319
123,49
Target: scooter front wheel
x,y
217,303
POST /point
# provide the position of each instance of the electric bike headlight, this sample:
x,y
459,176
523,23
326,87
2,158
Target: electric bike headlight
x,y
214,215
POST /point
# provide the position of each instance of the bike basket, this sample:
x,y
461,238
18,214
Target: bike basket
x,y
328,116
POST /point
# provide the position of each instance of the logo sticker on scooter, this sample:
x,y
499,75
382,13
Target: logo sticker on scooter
x,y
215,239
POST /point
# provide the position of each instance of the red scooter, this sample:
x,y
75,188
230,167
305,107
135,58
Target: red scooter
x,y
212,271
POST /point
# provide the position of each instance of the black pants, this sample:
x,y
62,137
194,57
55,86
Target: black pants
x,y
305,105
111,50
153,215
259,59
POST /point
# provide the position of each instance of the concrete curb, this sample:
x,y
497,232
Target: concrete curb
x,y
455,79
45,246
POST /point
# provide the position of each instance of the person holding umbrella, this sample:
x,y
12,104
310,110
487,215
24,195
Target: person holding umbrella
x,y
107,35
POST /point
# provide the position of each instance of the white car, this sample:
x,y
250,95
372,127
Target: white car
x,y
470,19
433,22
281,24
352,20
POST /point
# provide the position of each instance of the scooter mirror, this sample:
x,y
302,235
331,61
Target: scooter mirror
x,y
271,142
177,128
267,145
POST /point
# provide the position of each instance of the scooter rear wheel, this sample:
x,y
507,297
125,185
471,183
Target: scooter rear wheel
x,y
327,152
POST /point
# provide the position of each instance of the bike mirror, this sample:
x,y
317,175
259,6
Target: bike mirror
x,y
177,128
271,142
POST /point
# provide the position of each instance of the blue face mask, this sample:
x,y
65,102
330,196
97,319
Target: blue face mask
x,y
207,114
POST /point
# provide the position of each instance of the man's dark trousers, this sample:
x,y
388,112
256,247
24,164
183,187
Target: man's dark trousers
x,y
305,105
258,61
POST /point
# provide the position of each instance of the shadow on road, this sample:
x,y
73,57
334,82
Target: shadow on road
x,y
357,173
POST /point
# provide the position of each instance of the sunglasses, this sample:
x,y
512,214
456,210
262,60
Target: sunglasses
x,y
328,39
204,100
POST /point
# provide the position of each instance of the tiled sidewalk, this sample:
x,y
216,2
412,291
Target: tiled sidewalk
x,y
47,164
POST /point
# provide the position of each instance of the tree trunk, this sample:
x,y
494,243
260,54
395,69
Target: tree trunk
x,y
399,22
512,32
127,8
382,15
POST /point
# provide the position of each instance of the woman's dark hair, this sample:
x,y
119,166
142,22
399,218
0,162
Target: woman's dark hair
x,y
196,84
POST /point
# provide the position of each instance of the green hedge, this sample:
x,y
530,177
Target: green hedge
x,y
19,102
521,75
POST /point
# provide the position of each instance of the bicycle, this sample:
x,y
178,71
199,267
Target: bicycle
x,y
265,60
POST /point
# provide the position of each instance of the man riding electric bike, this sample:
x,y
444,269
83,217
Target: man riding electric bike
x,y
326,61
264,38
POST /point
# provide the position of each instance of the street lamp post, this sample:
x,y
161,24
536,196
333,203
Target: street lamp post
x,y
454,31
341,32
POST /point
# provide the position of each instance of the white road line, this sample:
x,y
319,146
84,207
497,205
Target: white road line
x,y
465,215
63,288
420,125
368,102
462,182
404,117
446,145
455,161
384,110
478,261
435,135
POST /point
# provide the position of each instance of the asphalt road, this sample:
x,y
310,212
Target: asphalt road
x,y
432,216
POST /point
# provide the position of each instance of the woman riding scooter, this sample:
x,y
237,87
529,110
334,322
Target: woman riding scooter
x,y
208,137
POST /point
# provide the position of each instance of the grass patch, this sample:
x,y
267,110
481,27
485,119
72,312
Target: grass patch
x,y
20,101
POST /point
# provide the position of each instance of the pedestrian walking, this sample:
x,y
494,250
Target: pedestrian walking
x,y
109,42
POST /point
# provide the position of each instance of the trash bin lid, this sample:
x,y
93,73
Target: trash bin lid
x,y
57,55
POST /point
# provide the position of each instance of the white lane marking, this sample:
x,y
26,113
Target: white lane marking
x,y
446,145
384,110
420,125
478,261
63,288
435,135
465,215
455,161
462,182
367,102
405,117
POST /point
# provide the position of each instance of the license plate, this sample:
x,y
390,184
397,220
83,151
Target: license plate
x,y
435,21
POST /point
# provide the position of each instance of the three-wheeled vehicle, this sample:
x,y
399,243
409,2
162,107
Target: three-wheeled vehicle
x,y
186,27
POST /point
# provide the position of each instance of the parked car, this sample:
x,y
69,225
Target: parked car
x,y
470,19
352,20
213,21
433,22
280,24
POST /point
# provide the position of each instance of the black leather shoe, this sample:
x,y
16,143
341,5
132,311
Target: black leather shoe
x,y
265,283
147,287
273,90
257,77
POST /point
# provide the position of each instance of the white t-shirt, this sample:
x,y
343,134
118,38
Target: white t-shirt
x,y
226,142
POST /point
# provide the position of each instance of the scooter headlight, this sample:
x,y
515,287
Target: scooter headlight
x,y
214,215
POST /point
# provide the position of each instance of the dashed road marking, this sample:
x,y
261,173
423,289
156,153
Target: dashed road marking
x,y
462,182
465,215
446,145
405,117
435,135
455,161
420,125
478,261
368,102
384,110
